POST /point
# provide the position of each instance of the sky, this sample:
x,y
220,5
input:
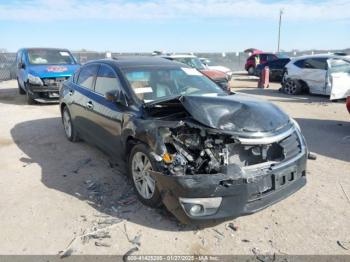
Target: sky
x,y
174,25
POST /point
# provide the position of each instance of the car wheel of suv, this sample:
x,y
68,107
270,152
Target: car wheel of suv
x,y
251,70
139,165
291,87
20,89
68,126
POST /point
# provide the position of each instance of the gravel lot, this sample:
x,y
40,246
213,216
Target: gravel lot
x,y
55,194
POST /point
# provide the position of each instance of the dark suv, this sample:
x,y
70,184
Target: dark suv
x,y
250,65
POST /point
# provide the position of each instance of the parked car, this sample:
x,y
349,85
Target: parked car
x,y
217,76
205,154
348,103
250,64
213,66
40,72
276,68
318,74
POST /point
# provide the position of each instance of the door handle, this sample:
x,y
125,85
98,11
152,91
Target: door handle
x,y
89,105
71,92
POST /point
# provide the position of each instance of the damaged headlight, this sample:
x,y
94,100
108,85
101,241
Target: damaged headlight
x,y
197,207
34,80
295,124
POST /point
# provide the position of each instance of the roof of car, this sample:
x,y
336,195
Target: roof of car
x,y
318,56
43,48
135,61
180,56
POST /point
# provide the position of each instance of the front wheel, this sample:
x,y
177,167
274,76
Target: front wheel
x,y
68,126
30,100
20,89
140,164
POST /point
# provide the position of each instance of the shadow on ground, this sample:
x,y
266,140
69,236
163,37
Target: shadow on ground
x,y
328,138
82,171
11,96
277,96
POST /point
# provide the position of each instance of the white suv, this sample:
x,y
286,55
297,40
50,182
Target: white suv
x,y
316,74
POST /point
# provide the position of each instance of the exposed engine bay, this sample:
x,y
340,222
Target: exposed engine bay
x,y
193,151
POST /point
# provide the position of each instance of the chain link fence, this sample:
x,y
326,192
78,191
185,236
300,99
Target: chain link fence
x,y
233,60
7,66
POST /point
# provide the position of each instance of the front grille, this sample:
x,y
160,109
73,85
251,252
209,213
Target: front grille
x,y
54,81
291,146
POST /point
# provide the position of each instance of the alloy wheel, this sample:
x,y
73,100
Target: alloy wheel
x,y
144,182
290,87
67,123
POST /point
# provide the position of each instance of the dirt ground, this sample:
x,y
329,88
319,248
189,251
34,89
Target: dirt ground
x,y
61,196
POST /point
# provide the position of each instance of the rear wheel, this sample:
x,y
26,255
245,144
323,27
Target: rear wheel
x,y
292,87
251,70
140,164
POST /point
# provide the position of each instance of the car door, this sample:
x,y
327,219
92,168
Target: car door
x,y
107,115
273,67
314,74
20,67
80,94
338,86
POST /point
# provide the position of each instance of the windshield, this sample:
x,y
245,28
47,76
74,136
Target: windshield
x,y
50,57
191,61
161,83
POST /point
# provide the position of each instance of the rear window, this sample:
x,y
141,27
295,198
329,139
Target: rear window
x,y
299,63
316,63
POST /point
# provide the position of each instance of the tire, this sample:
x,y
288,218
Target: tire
x,y
292,87
251,71
139,162
68,126
30,100
20,89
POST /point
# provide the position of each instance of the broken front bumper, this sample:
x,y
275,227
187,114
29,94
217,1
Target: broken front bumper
x,y
44,94
242,192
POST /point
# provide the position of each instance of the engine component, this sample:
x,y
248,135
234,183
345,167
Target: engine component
x,y
213,163
183,152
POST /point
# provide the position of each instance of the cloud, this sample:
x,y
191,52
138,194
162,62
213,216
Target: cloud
x,y
69,10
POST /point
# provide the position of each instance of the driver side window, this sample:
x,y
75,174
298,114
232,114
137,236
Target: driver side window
x,y
106,80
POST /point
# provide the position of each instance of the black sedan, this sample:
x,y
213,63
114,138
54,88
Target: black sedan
x,y
202,152
276,68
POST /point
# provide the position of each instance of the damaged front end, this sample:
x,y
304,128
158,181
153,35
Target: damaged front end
x,y
208,173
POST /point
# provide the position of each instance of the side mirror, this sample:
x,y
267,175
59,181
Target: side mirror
x,y
21,66
118,97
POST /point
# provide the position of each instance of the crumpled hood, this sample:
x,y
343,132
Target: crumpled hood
x,y
235,113
44,71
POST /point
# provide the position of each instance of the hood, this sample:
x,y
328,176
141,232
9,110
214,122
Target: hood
x,y
220,68
213,74
232,113
237,113
44,71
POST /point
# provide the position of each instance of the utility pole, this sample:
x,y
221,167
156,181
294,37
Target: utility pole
x,y
279,30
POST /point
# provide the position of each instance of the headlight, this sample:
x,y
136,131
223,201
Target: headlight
x,y
295,124
34,80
